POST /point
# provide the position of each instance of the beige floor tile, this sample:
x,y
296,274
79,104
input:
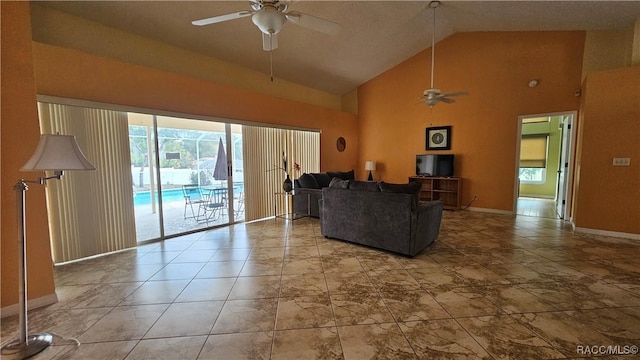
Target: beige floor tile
x,y
318,343
465,302
207,289
262,267
442,339
178,271
156,292
255,287
219,269
304,312
184,348
511,287
252,345
246,316
563,331
186,319
303,285
124,323
352,309
115,350
505,338
375,341
413,305
349,283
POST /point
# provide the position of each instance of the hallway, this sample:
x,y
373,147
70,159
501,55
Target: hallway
x,y
543,208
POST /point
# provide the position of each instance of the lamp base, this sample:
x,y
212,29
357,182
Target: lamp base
x,y
35,344
370,178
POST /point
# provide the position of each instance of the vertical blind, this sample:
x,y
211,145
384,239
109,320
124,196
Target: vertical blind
x,y
91,212
263,150
533,151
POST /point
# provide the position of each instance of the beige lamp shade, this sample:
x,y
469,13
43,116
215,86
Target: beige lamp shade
x,y
370,165
57,152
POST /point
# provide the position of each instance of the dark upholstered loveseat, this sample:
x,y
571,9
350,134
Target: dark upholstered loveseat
x,y
309,187
392,220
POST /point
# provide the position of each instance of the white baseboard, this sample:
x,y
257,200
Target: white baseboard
x,y
31,304
492,211
616,234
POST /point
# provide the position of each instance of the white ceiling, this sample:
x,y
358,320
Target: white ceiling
x,y
375,35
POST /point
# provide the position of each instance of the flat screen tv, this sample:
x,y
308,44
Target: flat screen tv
x,y
434,165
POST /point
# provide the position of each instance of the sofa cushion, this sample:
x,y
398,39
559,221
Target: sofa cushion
x,y
308,181
364,185
339,183
412,188
323,179
344,175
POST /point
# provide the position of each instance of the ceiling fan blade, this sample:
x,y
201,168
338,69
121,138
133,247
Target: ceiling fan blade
x,y
314,23
221,18
269,42
446,100
458,93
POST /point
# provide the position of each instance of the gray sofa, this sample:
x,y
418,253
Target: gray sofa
x,y
308,190
390,219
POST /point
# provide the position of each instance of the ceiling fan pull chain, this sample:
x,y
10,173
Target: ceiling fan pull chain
x,y
271,56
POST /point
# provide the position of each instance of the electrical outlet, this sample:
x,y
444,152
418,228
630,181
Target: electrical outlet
x,y
475,197
621,161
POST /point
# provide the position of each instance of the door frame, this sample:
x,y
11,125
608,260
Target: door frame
x,y
569,176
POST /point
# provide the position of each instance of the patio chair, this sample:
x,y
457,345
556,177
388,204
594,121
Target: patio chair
x,y
240,204
216,204
193,197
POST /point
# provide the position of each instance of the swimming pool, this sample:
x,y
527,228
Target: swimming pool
x,y
170,195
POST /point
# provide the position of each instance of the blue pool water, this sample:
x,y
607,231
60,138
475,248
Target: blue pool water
x,y
168,195
143,197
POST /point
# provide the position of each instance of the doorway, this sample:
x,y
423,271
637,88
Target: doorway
x,y
544,165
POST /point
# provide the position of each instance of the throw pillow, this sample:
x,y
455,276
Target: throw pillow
x,y
339,183
412,188
323,179
344,175
364,185
307,181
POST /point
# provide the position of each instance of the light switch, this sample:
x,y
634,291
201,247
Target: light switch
x,y
621,161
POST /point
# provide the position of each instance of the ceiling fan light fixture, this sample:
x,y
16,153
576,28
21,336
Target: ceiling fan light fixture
x,y
269,20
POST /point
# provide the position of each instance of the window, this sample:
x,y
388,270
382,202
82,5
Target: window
x,y
533,158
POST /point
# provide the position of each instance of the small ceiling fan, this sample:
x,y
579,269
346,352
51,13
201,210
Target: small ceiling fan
x,y
433,96
270,16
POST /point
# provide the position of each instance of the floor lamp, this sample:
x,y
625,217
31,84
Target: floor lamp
x,y
56,153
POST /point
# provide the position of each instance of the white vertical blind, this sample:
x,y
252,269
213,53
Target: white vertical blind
x,y
91,212
262,152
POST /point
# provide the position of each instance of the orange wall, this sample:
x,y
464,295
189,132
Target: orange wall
x,y
20,133
77,75
608,196
74,74
495,68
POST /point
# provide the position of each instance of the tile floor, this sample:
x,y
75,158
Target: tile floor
x,y
545,208
492,287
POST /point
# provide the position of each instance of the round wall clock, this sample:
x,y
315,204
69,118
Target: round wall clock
x,y
341,144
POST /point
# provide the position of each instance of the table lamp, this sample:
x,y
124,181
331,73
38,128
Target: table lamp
x,y
370,165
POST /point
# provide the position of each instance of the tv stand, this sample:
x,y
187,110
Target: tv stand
x,y
446,189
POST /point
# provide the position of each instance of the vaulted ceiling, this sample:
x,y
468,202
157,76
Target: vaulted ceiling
x,y
374,36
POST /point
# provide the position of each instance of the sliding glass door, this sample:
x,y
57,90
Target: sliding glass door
x,y
197,171
161,176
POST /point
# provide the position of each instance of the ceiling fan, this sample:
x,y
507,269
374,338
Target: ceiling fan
x,y
433,96
270,16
